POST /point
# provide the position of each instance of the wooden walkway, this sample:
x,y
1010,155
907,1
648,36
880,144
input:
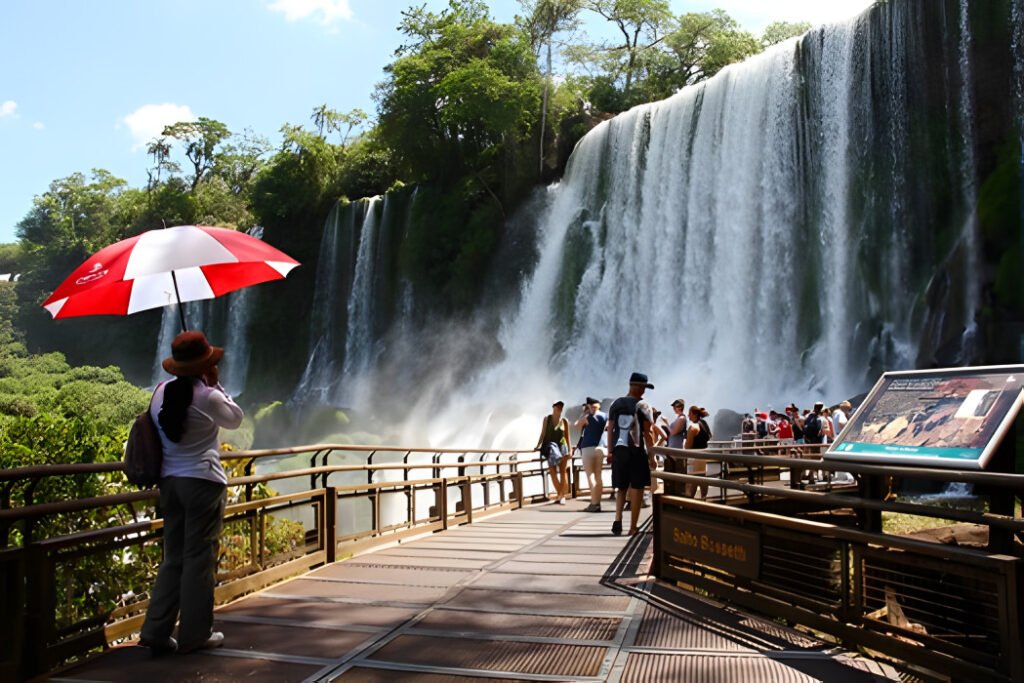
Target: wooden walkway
x,y
540,594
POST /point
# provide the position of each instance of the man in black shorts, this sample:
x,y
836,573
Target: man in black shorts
x,y
630,419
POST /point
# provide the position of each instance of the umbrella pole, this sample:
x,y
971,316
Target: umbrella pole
x,y
181,311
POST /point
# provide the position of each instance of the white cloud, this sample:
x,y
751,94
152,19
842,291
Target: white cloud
x,y
38,125
7,108
149,120
330,11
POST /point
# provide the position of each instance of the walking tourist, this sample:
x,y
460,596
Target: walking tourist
x,y
840,416
797,422
189,412
813,429
677,427
785,430
748,427
592,452
826,425
554,447
697,437
630,421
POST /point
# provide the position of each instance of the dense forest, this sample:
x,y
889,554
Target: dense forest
x,y
474,112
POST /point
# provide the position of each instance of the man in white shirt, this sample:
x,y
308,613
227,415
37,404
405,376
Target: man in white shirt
x,y
840,417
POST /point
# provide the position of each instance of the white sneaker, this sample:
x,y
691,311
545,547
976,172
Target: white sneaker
x,y
561,501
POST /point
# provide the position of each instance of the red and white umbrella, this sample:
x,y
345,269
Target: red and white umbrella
x,y
166,266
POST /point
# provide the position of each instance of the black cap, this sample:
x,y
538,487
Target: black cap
x,y
591,400
640,378
558,403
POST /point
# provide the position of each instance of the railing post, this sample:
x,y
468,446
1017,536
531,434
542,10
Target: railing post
x,y
467,499
442,503
39,611
330,524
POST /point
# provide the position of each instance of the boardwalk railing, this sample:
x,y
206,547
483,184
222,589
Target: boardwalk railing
x,y
821,559
76,571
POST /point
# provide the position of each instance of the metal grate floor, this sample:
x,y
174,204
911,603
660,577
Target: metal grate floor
x,y
545,593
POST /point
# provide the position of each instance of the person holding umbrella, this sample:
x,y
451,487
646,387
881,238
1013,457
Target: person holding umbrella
x,y
189,412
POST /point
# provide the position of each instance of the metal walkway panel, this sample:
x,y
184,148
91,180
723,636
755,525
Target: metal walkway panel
x,y
551,603
500,656
435,559
528,625
578,568
453,553
296,640
557,580
361,571
367,592
133,664
537,556
317,612
674,668
366,675
664,630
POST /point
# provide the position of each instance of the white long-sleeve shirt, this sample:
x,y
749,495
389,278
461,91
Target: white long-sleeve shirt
x,y
196,455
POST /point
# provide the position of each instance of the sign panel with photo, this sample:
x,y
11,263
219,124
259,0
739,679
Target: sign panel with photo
x,y
933,418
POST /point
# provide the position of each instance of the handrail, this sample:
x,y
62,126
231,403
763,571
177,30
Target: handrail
x,y
986,478
987,518
33,471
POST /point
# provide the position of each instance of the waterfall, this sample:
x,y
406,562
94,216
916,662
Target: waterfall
x,y
235,366
756,238
320,376
359,332
971,236
783,231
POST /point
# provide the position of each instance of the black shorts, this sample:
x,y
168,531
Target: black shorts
x,y
630,469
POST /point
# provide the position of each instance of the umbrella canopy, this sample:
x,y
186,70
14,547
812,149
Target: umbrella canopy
x,y
165,266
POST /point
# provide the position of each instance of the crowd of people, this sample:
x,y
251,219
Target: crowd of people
x,y
631,426
817,425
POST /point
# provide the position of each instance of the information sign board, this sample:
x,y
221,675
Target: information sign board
x,y
951,418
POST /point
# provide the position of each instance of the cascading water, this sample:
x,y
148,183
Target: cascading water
x,y
359,338
783,231
755,238
321,374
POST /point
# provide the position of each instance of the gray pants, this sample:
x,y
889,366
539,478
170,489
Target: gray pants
x,y
193,512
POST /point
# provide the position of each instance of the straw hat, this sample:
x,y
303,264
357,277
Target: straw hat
x,y
192,355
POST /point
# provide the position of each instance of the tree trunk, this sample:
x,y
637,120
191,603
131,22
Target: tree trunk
x,y
544,112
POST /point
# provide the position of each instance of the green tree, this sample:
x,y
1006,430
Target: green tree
x,y
76,213
12,258
200,139
461,88
779,31
330,120
642,24
545,18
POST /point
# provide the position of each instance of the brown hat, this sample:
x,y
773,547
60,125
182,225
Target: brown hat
x,y
191,355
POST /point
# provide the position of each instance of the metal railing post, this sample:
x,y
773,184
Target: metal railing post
x,y
330,524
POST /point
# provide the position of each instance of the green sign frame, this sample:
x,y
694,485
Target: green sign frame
x,y
948,418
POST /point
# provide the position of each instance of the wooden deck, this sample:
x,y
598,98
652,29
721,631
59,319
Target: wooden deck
x,y
544,594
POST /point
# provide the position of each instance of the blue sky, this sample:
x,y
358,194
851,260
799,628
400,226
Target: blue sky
x,y
86,84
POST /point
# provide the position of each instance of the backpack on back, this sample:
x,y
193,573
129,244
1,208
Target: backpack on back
x,y
812,428
143,453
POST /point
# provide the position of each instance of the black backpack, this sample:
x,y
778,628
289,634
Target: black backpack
x,y
143,453
812,428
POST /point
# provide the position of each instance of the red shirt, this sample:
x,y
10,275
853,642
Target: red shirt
x,y
785,430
